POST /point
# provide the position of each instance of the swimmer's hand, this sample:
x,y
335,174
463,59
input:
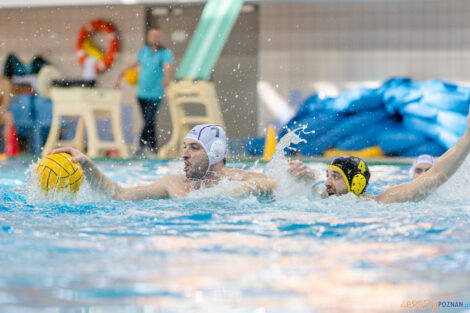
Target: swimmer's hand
x,y
77,156
301,171
97,180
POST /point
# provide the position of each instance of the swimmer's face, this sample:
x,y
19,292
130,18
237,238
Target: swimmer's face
x,y
154,36
421,169
195,159
335,184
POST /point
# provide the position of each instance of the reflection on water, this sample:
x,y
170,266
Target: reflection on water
x,y
288,254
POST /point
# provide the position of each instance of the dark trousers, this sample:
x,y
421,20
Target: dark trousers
x,y
149,109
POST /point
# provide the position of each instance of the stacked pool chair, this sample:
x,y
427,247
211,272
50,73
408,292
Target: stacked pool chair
x,y
400,118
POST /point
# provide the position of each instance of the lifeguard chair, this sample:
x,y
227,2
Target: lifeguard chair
x,y
180,95
88,104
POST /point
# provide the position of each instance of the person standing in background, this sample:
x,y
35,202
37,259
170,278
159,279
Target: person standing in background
x,y
155,74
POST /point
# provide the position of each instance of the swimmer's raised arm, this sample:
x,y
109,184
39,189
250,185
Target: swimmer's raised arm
x,y
442,170
101,183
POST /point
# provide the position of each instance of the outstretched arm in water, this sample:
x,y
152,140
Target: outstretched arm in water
x,y
255,186
101,183
427,183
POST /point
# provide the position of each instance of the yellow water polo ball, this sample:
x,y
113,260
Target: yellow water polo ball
x,y
57,172
132,76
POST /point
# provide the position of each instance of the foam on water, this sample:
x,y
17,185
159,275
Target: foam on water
x,y
278,169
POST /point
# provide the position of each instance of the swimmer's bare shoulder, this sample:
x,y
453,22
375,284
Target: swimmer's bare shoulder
x,y
177,185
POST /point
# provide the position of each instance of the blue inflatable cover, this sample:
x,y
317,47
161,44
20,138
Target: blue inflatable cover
x,y
355,100
354,124
359,118
438,133
396,141
427,147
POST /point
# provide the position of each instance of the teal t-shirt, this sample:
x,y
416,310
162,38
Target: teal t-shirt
x,y
151,73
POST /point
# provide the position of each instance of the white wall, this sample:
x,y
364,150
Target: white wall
x,y
302,44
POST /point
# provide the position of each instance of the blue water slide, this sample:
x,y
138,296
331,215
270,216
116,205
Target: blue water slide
x,y
355,100
208,40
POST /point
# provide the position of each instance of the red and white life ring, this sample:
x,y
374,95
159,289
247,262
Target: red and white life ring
x,y
84,48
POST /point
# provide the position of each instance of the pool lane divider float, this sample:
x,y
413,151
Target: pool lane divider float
x,y
402,118
57,173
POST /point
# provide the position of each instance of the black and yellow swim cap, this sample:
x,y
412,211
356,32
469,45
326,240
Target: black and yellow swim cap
x,y
355,173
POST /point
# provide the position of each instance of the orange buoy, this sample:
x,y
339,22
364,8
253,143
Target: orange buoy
x,y
84,48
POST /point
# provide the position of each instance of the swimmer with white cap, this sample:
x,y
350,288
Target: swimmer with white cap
x,y
351,174
205,147
421,165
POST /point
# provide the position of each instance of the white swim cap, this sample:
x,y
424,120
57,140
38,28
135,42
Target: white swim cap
x,y
212,138
423,158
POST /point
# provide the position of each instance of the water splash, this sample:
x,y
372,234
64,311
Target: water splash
x,y
35,195
456,188
278,168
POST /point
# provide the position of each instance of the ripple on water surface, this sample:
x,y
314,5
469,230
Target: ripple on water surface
x,y
210,253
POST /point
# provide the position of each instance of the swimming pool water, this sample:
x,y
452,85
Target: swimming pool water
x,y
212,253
